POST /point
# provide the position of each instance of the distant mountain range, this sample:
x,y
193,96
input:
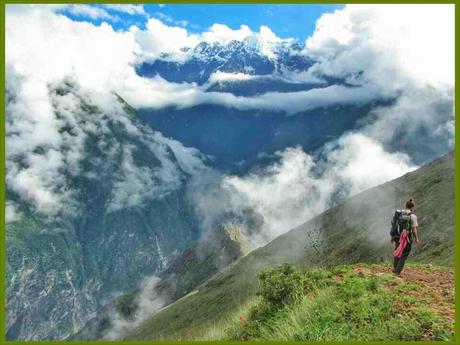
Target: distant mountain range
x,y
251,56
236,139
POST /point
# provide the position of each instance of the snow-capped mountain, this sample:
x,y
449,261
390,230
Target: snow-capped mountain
x,y
251,56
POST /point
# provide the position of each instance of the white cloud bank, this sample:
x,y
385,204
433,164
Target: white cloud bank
x,y
48,136
387,42
284,195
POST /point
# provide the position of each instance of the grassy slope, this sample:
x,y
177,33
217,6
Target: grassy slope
x,y
354,231
359,302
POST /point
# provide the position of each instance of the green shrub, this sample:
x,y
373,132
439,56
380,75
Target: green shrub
x,y
372,284
281,286
317,278
127,305
341,269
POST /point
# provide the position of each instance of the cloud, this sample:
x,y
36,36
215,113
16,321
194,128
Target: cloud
x,y
220,76
89,55
138,183
294,102
48,130
62,47
357,162
223,34
127,8
147,302
168,19
388,43
357,45
403,50
156,94
158,38
162,35
190,160
421,123
94,12
88,11
284,195
285,75
135,184
11,212
37,153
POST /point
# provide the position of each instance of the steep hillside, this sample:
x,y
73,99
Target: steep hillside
x,y
354,231
120,215
215,251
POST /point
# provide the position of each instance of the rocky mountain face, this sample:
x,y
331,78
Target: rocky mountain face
x,y
124,217
215,251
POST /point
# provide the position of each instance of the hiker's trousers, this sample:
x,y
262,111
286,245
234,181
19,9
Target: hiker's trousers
x,y
398,263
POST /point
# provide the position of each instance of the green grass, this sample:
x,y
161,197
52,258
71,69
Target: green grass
x,y
354,308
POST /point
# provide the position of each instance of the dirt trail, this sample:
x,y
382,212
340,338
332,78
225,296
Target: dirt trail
x,y
438,286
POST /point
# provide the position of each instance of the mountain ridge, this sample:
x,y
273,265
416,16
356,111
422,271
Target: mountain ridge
x,y
251,56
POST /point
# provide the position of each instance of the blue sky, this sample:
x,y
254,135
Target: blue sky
x,y
296,21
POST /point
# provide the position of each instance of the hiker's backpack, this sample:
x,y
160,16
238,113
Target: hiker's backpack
x,y
401,220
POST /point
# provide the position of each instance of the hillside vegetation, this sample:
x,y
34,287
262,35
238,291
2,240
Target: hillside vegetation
x,y
358,302
352,232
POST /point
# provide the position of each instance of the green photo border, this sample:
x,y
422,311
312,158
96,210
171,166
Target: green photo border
x,y
3,186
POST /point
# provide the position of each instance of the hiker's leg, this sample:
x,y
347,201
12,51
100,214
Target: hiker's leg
x,y
403,258
395,259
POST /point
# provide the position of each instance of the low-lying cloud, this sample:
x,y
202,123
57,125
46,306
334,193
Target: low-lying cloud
x,y
295,188
146,302
51,133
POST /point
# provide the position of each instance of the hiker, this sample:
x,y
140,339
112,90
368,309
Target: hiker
x,y
403,231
